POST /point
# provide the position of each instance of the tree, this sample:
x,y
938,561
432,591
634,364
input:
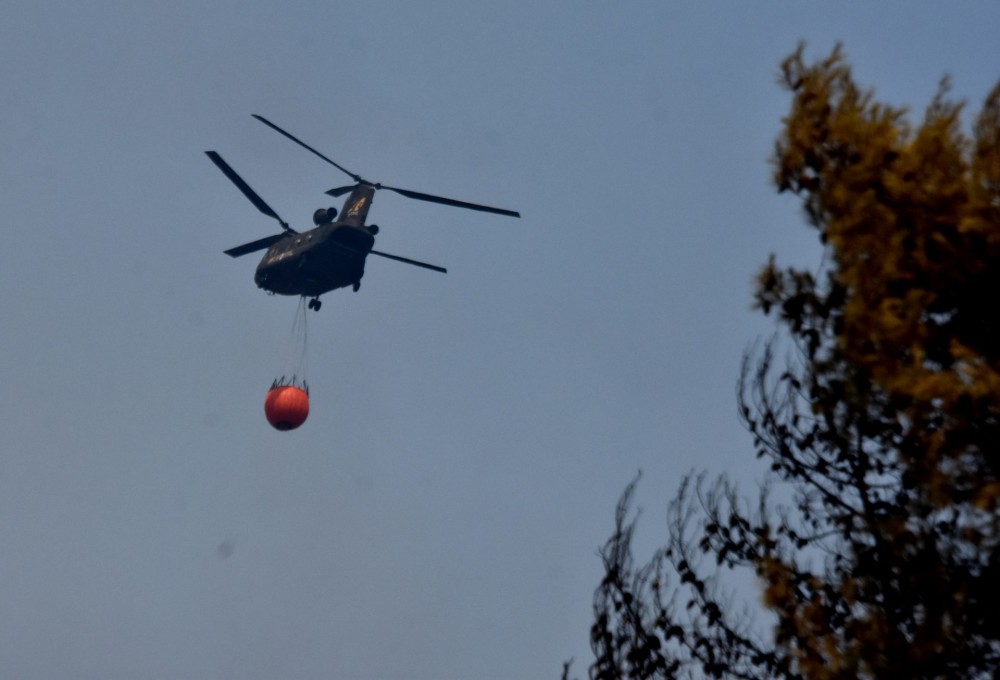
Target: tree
x,y
882,428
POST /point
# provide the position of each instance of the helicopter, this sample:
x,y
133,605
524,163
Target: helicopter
x,y
332,254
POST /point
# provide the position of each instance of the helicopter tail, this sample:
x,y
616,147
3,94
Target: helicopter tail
x,y
355,209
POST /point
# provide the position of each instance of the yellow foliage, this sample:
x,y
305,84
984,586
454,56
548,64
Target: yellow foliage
x,y
910,215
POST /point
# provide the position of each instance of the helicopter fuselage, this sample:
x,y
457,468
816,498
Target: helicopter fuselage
x,y
333,254
317,261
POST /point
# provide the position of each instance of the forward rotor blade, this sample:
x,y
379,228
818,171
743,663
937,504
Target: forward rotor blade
x,y
450,201
409,261
244,187
254,246
298,141
406,260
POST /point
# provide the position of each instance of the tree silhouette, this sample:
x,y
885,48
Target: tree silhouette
x,y
882,427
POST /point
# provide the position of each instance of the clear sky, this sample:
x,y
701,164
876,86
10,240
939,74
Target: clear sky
x,y
439,513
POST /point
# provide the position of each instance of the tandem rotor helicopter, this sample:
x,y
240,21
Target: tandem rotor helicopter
x,y
332,254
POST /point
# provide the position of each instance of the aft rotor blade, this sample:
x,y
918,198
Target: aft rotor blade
x,y
405,192
244,187
298,141
450,201
254,246
409,261
340,191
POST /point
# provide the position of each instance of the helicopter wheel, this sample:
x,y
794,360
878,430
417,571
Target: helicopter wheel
x,y
357,285
315,304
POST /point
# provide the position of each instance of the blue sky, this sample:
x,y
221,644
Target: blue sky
x,y
439,513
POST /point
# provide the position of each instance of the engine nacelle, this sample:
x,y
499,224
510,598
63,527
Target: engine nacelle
x,y
324,216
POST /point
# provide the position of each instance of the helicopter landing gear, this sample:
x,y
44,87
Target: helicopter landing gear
x,y
314,304
357,285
